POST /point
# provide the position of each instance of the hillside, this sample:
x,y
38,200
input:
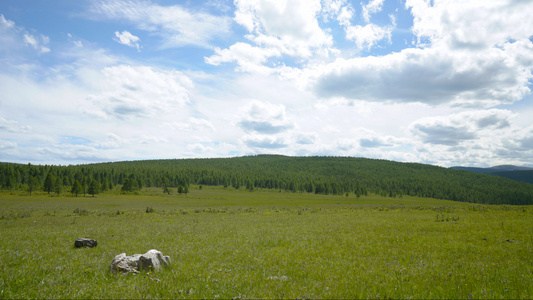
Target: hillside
x,y
321,175
523,174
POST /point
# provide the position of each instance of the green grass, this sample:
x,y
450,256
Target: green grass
x,y
265,244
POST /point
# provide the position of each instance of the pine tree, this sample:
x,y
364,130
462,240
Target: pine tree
x,y
94,187
33,184
49,183
76,188
84,186
164,183
58,185
105,185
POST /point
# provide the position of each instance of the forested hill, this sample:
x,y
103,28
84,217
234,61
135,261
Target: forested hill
x,y
323,175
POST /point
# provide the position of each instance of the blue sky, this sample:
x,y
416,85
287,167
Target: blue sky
x,y
438,82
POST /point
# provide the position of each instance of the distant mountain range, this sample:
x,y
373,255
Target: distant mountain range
x,y
523,174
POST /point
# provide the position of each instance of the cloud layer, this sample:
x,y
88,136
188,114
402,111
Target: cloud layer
x,y
175,25
441,82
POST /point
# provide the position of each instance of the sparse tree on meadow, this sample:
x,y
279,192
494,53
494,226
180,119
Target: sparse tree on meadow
x,y
84,186
49,183
164,184
33,184
94,187
58,185
76,188
130,185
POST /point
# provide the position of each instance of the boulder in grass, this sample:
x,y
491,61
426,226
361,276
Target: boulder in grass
x,y
83,242
152,260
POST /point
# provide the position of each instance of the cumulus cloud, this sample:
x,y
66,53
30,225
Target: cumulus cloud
x,y
470,55
521,140
276,29
176,25
458,128
128,39
293,22
367,36
265,118
247,57
368,138
432,76
139,91
373,6
470,25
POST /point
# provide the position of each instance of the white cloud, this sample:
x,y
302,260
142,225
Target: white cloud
x,y
291,21
445,71
264,118
6,23
312,99
432,76
30,39
371,139
277,28
139,91
367,36
11,35
471,24
7,145
111,141
78,44
80,153
264,141
128,39
521,140
479,54
456,129
176,26
199,148
373,6
306,138
248,57
193,124
12,126
37,43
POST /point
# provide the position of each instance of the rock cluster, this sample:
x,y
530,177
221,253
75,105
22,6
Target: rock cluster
x,y
152,260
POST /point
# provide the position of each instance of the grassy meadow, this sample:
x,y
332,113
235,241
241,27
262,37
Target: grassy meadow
x,y
227,243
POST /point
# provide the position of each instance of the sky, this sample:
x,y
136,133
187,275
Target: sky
x,y
442,82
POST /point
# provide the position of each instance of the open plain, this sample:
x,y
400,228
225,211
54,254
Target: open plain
x,y
227,243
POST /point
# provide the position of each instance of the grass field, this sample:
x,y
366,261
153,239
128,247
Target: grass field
x,y
226,243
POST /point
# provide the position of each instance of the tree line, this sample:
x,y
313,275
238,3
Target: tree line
x,y
320,175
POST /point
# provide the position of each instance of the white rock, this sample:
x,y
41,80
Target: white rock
x,y
152,260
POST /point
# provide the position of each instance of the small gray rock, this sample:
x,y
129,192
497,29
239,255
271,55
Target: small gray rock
x,y
152,260
83,242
